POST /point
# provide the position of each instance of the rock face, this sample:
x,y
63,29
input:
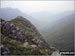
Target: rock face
x,y
4,50
20,37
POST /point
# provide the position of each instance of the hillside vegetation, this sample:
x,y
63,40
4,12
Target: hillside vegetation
x,y
20,37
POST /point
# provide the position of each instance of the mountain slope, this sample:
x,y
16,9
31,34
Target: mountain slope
x,y
20,37
61,34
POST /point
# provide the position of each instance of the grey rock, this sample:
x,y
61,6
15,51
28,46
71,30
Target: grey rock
x,y
4,50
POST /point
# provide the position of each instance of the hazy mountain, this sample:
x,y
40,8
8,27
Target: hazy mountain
x,y
48,18
10,13
57,29
20,37
61,33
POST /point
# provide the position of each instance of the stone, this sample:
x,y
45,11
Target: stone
x,y
25,44
33,46
19,32
13,31
12,28
5,38
11,24
41,44
4,50
35,39
46,50
52,48
17,28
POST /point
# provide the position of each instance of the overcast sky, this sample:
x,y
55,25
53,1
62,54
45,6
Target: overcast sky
x,y
37,6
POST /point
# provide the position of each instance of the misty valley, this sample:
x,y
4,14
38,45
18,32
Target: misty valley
x,y
39,33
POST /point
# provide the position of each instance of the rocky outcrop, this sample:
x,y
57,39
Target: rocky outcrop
x,y
14,36
4,50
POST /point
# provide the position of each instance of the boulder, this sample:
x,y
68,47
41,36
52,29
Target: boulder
x,y
41,44
34,46
4,50
11,24
52,48
35,39
25,44
17,28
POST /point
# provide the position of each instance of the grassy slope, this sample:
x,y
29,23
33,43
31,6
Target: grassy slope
x,y
16,47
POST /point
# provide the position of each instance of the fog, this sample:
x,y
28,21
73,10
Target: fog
x,y
44,11
39,6
53,19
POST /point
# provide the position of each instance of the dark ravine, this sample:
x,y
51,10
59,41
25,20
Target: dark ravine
x,y
20,37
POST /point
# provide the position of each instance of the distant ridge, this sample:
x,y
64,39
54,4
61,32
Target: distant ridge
x,y
61,34
11,13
